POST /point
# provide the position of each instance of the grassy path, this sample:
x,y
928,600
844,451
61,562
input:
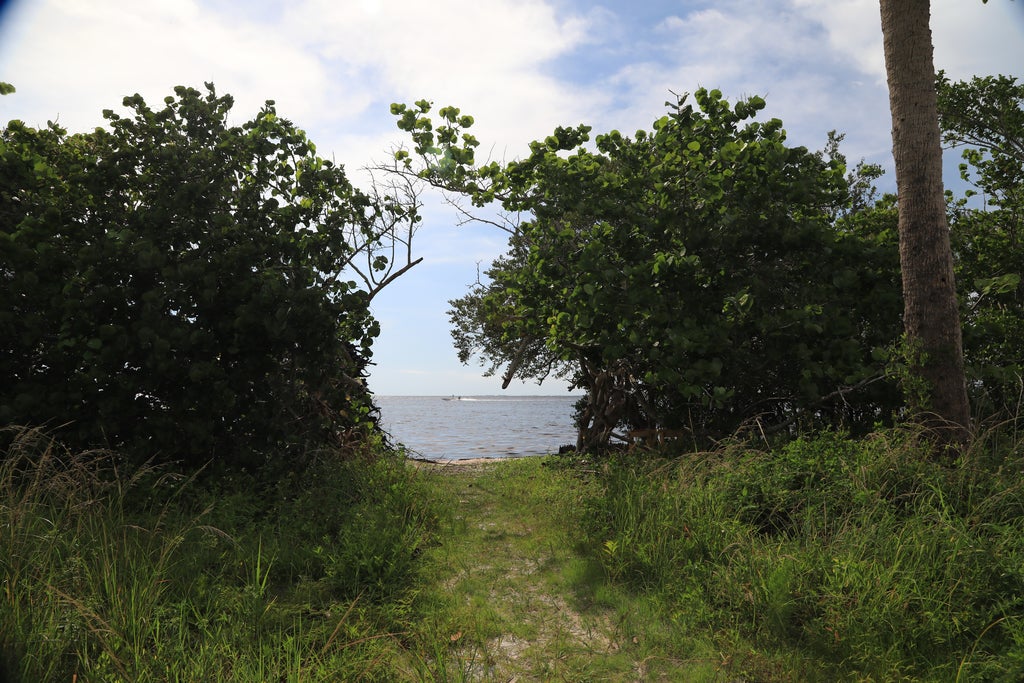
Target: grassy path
x,y
517,597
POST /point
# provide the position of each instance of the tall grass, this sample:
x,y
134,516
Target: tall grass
x,y
143,575
831,557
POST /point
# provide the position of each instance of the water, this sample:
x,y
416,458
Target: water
x,y
479,426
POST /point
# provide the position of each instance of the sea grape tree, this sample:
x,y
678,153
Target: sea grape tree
x,y
180,287
697,275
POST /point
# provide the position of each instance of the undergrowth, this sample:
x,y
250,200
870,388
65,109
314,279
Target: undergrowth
x,y
144,575
830,558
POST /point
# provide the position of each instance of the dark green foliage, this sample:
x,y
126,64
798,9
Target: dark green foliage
x,y
986,116
696,276
990,264
703,275
171,284
357,527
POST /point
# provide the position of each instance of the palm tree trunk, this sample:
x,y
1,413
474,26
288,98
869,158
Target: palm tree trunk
x,y
931,318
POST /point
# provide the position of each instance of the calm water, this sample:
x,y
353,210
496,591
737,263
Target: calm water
x,y
479,426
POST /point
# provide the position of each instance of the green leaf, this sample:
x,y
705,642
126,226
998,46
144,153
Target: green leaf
x,y
1002,284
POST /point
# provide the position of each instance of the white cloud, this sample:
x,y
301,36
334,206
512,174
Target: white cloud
x,y
331,67
854,31
73,59
488,58
971,38
779,51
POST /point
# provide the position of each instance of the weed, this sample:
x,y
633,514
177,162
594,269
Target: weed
x,y
846,558
827,558
115,574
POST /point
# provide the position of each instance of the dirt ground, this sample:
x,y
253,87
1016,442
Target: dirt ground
x,y
459,462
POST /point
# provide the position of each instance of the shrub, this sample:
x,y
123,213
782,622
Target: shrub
x,y
172,285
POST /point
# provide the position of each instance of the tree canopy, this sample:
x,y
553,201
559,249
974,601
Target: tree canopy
x,y
698,275
174,285
180,286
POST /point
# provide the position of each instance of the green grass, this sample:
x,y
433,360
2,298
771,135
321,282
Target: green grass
x,y
830,558
517,593
821,560
110,575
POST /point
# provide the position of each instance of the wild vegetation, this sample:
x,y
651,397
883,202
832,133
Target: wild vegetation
x,y
186,318
183,289
704,274
201,491
827,559
695,276
833,558
115,572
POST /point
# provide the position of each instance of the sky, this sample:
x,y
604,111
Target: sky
x,y
519,67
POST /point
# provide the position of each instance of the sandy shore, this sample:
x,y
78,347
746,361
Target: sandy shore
x,y
458,462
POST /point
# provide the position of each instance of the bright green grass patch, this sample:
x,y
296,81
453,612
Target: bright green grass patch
x,y
516,592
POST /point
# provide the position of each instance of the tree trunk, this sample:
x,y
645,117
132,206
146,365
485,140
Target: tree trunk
x,y
931,318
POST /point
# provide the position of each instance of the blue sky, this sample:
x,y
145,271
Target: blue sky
x,y
520,67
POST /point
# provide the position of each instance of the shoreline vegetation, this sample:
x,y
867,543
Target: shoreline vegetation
x,y
722,297
726,302
827,558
